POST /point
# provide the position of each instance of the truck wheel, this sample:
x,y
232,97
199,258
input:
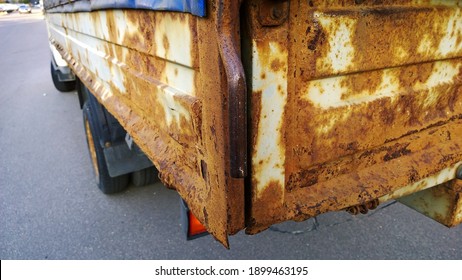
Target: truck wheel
x,y
144,177
59,85
106,183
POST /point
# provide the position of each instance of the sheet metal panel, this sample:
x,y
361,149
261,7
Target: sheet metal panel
x,y
351,101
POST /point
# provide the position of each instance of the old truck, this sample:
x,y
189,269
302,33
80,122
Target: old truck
x,y
262,111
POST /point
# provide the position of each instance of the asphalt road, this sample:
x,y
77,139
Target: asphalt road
x,y
50,207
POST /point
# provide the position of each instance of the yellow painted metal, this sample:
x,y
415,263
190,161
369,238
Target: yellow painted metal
x,y
442,203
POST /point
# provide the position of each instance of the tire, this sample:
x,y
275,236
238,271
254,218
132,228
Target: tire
x,y
59,85
145,177
106,183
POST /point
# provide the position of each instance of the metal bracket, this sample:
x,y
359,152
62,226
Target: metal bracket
x,y
273,12
129,141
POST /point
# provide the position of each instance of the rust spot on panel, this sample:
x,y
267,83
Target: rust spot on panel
x,y
376,33
398,150
276,65
165,43
315,35
303,179
255,107
408,104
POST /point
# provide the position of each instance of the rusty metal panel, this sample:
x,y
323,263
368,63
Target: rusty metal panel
x,y
442,203
351,101
161,75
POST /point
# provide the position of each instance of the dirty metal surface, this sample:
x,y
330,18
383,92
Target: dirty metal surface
x,y
442,203
161,75
351,101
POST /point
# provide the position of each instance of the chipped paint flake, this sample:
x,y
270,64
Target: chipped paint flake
x,y
173,39
174,111
452,40
330,92
341,50
443,72
401,53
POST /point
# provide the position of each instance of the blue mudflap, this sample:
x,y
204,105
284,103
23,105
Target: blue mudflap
x,y
195,7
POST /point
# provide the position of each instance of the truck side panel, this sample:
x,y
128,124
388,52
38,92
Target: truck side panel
x,y
166,87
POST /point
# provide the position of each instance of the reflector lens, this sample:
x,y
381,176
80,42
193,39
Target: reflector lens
x,y
195,227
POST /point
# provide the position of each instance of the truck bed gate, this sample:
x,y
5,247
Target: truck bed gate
x,y
352,103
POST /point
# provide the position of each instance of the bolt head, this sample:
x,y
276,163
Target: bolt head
x,y
276,13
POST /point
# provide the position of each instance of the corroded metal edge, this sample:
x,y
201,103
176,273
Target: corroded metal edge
x,y
361,182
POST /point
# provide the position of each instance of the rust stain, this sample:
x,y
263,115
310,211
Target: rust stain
x,y
399,150
267,209
166,44
277,65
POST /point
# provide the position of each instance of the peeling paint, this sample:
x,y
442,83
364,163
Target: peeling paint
x,y
341,50
269,155
452,40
